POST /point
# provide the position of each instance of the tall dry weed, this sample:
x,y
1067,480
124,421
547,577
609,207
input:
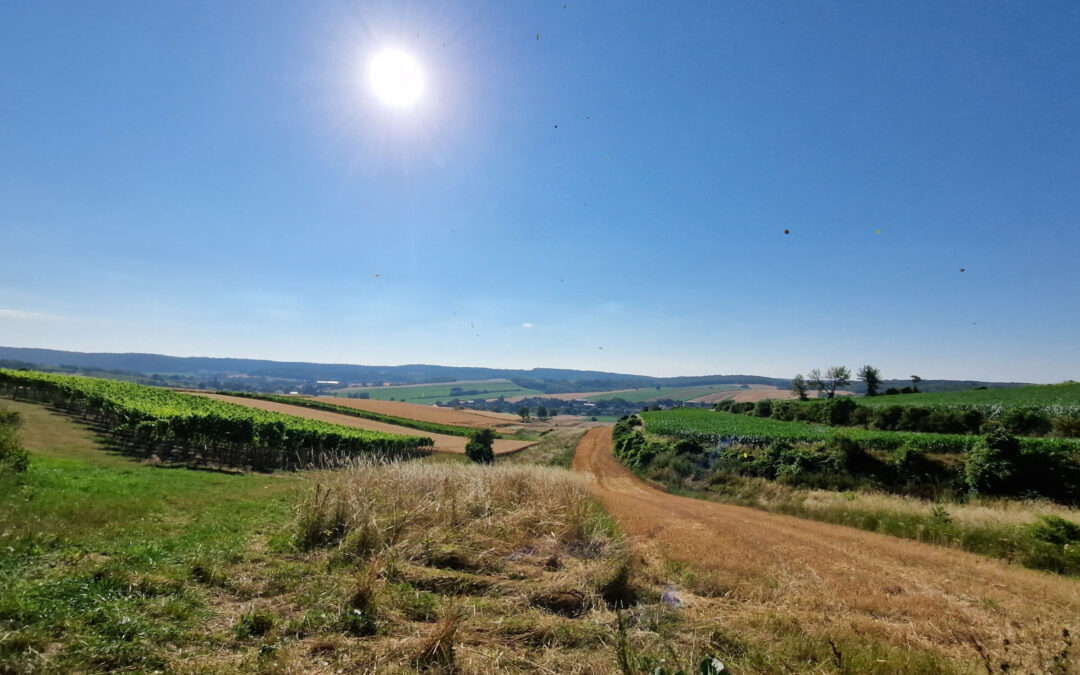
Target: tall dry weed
x,y
433,509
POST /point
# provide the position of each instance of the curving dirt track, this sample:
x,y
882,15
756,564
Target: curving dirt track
x,y
443,443
828,578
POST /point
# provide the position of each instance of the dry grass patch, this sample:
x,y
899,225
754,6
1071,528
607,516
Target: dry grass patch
x,y
439,568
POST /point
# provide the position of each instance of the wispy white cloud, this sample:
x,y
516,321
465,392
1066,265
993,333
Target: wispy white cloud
x,y
22,315
526,325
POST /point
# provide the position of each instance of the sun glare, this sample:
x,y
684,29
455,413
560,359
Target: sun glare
x,y
396,78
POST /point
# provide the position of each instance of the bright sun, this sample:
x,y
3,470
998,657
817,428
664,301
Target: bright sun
x,y
396,78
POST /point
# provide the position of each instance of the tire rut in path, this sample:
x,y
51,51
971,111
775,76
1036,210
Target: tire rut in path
x,y
829,577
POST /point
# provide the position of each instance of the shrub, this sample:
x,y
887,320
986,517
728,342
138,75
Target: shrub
x,y
861,416
992,463
13,457
888,418
1023,422
913,419
479,448
838,411
910,463
1067,426
784,410
763,408
687,447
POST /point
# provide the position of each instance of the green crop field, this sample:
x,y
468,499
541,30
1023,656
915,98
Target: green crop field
x,y
426,394
173,425
1059,399
657,393
711,427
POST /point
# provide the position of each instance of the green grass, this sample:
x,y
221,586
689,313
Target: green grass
x,y
107,564
1064,395
657,393
711,427
431,393
556,448
100,557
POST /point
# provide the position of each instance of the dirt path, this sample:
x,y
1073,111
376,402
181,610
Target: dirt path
x,y
424,413
443,443
835,580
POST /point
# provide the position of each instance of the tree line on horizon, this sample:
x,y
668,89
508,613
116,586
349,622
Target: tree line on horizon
x,y
836,377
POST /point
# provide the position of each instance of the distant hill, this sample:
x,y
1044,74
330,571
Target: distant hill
x,y
263,375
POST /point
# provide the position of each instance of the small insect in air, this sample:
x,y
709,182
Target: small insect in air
x,y
787,231
961,269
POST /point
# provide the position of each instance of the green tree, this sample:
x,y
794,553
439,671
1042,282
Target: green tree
x,y
915,380
480,446
991,465
523,413
872,377
798,385
834,377
541,412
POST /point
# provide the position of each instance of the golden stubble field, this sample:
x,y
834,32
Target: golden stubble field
x,y
760,569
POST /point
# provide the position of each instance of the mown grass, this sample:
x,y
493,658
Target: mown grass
x,y
97,552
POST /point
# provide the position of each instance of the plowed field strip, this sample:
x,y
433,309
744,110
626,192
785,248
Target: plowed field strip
x,y
443,443
424,413
829,577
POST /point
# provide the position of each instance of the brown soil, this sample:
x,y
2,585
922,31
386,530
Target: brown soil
x,y
835,580
443,443
424,413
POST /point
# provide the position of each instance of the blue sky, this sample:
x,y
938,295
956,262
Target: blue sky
x,y
217,179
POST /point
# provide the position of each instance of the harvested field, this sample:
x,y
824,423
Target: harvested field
x,y
424,413
839,583
443,443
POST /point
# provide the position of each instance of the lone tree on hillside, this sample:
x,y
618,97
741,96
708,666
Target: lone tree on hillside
x,y
872,377
835,376
798,385
915,380
480,446
523,413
